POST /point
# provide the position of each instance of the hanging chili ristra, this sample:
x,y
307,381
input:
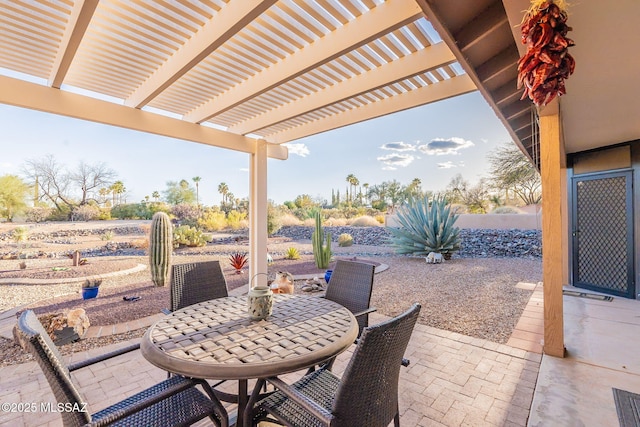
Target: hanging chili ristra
x,y
547,63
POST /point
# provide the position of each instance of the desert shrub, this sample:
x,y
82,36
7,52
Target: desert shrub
x,y
38,213
352,212
186,235
186,213
289,219
140,243
426,228
333,213
309,222
19,234
105,214
235,219
131,211
365,221
145,228
63,213
345,239
147,210
457,208
336,222
506,210
292,253
380,219
212,220
107,236
85,213
273,219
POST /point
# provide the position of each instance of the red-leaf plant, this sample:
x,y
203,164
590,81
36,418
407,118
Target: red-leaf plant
x,y
238,260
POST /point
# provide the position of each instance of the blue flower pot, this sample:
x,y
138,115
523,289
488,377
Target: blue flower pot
x,y
327,275
88,293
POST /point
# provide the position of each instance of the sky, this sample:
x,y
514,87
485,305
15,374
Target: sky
x,y
433,143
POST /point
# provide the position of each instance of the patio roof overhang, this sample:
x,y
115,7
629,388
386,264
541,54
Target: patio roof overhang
x,y
271,70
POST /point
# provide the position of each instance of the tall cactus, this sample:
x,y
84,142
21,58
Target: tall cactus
x,y
321,250
160,247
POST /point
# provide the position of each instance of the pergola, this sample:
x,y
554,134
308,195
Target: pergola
x,y
250,75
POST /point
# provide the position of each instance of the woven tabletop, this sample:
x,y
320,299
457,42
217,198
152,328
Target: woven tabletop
x,y
217,339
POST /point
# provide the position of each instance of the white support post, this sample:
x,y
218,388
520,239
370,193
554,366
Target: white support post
x,y
258,214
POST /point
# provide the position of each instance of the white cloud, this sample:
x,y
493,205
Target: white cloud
x,y
389,168
298,149
441,146
397,160
446,165
398,146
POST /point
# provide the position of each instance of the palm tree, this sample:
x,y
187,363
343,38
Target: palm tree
x,y
104,192
156,195
223,189
353,182
117,188
196,180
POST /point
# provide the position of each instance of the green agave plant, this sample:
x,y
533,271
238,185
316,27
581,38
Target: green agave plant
x,y
425,228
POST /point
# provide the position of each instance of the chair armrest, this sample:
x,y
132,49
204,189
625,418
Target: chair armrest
x,y
83,363
367,311
175,385
302,400
165,311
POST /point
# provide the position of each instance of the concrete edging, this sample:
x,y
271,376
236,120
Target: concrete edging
x,y
27,281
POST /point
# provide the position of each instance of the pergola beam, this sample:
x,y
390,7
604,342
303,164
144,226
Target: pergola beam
x,y
79,20
432,93
424,60
380,20
507,93
503,62
224,25
482,26
36,97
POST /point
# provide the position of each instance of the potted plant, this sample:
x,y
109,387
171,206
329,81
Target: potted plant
x,y
90,288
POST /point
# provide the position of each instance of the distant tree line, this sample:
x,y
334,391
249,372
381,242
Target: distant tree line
x,y
50,190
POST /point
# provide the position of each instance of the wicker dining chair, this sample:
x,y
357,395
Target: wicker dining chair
x,y
196,282
366,395
175,401
351,285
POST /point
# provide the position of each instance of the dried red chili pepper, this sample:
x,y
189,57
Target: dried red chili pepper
x,y
547,62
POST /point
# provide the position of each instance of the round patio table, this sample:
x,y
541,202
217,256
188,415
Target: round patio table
x,y
217,339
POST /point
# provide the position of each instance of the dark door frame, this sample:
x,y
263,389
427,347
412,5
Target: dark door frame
x,y
630,220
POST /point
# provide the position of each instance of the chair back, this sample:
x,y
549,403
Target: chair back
x,y
35,340
351,285
368,391
196,282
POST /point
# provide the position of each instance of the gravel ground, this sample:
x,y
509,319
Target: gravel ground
x,y
472,296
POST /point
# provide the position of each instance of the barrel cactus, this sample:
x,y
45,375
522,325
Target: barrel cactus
x,y
160,247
